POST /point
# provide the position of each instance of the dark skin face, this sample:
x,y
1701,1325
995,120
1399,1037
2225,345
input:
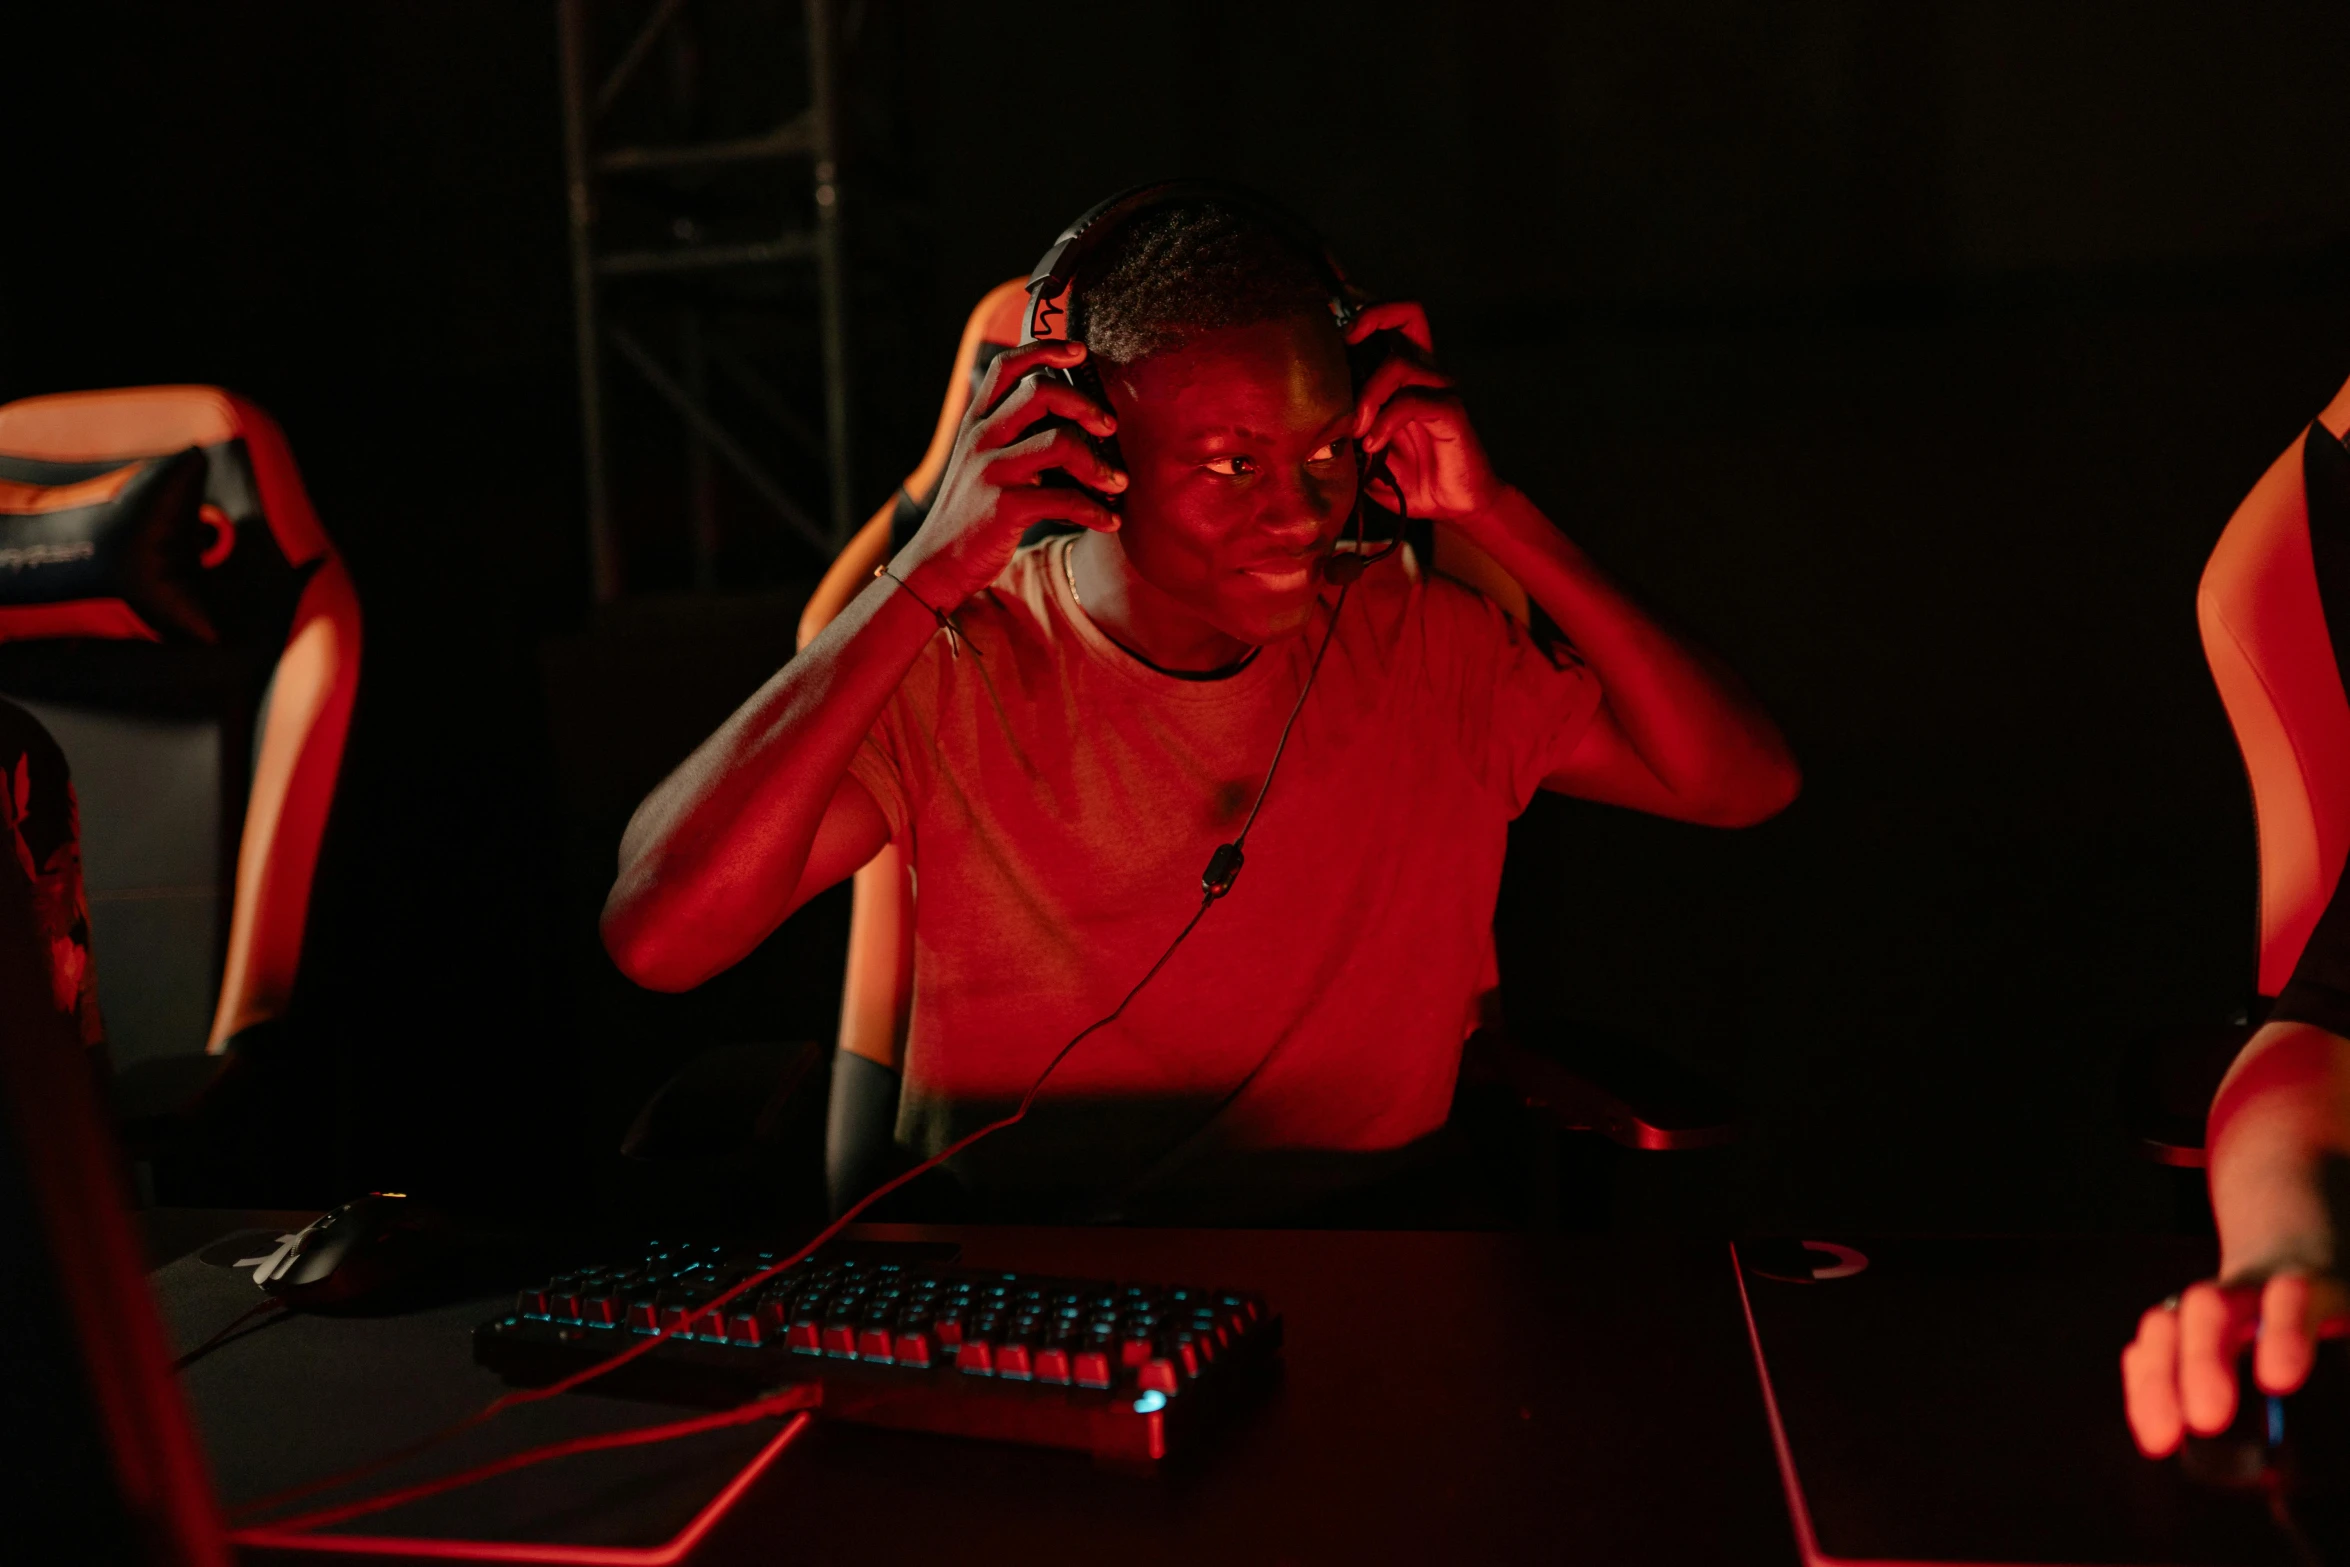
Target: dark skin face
x,y
1239,446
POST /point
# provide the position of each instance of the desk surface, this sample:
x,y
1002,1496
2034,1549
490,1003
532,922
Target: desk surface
x,y
1448,1397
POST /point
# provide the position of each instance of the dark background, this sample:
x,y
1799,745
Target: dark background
x,y
1911,355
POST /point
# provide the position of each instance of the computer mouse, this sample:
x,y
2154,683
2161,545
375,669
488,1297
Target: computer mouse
x,y
360,1249
2298,1440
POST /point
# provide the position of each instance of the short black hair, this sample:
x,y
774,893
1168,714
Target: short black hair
x,y
1194,267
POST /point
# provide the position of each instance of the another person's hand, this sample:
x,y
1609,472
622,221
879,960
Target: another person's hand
x,y
1409,412
2276,1128
2276,1131
993,489
2179,1373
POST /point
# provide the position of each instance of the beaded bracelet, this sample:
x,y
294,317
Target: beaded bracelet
x,y
946,622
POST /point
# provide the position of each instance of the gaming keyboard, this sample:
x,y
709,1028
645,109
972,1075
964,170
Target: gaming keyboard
x,y
899,1337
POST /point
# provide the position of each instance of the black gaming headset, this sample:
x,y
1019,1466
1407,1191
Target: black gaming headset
x,y
1056,311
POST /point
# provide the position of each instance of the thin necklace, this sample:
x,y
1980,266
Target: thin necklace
x,y
1069,574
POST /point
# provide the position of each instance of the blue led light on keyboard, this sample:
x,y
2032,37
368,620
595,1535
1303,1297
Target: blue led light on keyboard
x,y
1150,1403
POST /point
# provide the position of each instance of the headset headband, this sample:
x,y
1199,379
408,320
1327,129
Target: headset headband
x,y
1056,310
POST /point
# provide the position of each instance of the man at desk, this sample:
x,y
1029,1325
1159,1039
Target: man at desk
x,y
1060,735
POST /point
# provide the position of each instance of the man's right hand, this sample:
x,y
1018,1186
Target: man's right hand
x,y
993,489
765,814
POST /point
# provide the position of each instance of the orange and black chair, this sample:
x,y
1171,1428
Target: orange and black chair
x,y
1637,1099
108,1459
2276,583
171,611
2278,578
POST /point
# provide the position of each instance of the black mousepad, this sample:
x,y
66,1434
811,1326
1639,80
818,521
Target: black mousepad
x,y
1959,1401
295,1396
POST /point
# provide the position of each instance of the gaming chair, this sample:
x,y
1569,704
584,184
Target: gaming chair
x,y
2263,606
104,1464
172,612
1647,1104
2278,578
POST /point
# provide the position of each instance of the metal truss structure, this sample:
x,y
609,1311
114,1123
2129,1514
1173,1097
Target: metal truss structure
x,y
623,317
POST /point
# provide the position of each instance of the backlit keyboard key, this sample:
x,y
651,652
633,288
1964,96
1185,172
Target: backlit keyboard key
x,y
976,1356
913,1349
1011,1360
875,1344
1159,1376
1090,1368
744,1328
840,1340
806,1338
1052,1365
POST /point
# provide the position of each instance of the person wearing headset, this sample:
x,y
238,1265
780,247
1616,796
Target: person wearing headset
x,y
1058,734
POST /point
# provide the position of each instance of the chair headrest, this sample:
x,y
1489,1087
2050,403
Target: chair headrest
x,y
151,513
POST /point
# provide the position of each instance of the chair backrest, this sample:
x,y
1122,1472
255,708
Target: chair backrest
x,y
993,326
206,751
2281,566
877,991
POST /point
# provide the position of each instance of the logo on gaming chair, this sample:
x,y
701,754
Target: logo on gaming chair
x,y
18,557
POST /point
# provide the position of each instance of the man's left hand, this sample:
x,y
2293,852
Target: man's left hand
x,y
1409,412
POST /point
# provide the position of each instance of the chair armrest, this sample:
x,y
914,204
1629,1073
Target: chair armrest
x,y
1627,1092
166,1106
724,1099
